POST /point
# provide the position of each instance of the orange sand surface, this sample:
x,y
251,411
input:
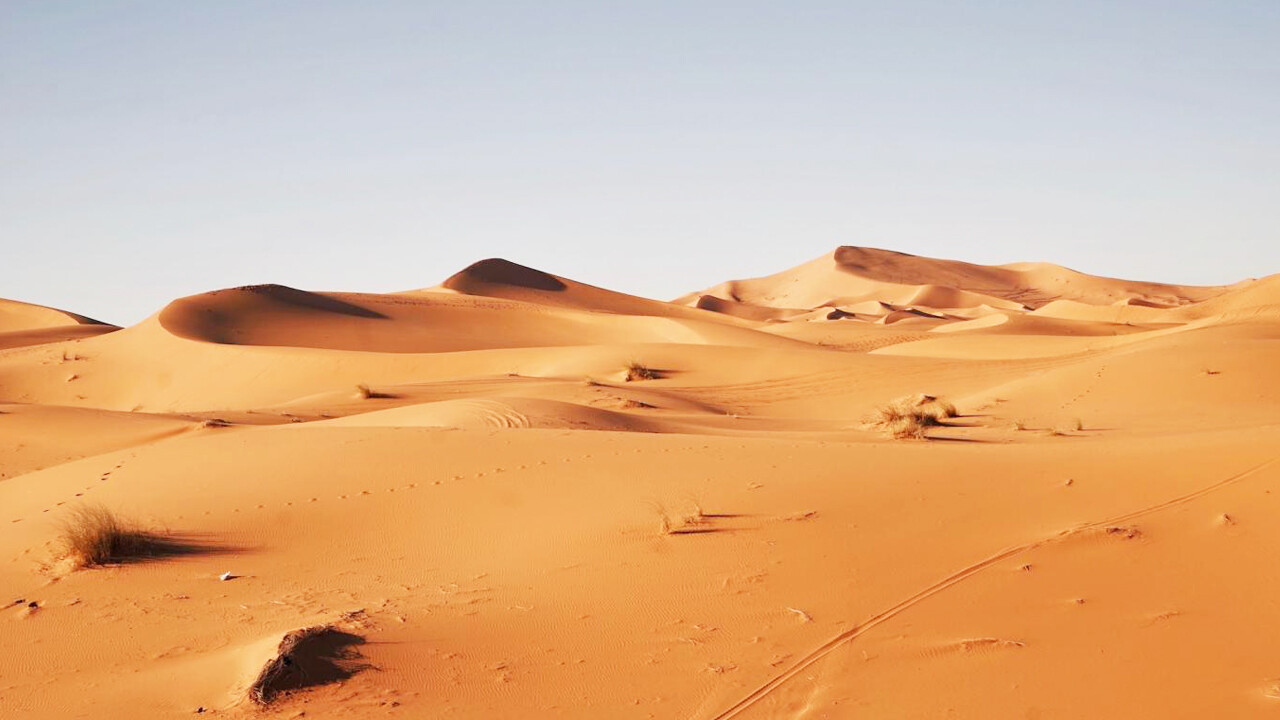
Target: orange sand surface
x,y
514,495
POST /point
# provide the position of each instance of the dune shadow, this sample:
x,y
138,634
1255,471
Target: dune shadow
x,y
313,301
307,658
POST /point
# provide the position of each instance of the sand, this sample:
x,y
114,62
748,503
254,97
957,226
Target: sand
x,y
514,495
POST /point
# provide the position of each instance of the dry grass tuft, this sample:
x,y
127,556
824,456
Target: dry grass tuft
x,y
693,523
364,392
912,426
910,417
94,535
639,371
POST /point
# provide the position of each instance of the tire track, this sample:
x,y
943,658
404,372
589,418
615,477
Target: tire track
x,y
963,574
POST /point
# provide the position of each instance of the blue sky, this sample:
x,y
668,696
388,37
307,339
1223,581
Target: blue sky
x,y
151,150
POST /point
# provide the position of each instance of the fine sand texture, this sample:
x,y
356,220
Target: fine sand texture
x,y
872,486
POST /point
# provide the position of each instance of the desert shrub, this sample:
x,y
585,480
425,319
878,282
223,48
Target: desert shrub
x,y
94,535
639,371
909,418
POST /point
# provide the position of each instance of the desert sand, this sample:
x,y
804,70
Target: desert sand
x,y
516,495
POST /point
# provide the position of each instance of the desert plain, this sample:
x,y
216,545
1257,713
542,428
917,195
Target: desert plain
x,y
518,495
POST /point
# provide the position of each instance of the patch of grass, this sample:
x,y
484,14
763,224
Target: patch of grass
x,y
364,392
94,535
637,370
693,523
912,426
909,418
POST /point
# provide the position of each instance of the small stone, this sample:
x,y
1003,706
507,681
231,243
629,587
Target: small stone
x,y
33,604
226,576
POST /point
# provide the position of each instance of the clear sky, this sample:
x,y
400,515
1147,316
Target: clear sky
x,y
150,150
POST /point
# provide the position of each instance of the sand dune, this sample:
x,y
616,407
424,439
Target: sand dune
x,y
856,275
16,316
498,278
515,495
24,324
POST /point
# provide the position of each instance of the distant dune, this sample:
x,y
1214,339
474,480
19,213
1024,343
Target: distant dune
x,y
852,275
873,485
25,324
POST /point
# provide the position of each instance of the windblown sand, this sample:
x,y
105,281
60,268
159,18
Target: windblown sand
x,y
459,502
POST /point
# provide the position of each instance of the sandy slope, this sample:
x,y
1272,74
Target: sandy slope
x,y
502,525
25,324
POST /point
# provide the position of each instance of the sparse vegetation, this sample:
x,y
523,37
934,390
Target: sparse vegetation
x,y
1078,425
688,524
364,392
637,370
94,535
909,418
912,426
1019,425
